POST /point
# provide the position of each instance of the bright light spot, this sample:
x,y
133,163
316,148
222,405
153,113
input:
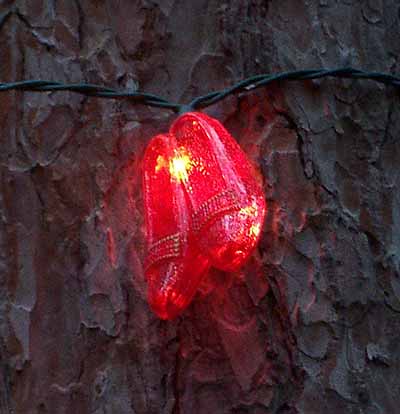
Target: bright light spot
x,y
248,211
255,230
179,166
161,163
252,213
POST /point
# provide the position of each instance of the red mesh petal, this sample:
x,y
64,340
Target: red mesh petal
x,y
174,267
226,202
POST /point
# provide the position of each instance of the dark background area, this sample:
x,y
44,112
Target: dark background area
x,y
312,323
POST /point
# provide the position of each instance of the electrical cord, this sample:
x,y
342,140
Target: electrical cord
x,y
246,85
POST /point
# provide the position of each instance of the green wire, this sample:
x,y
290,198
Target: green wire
x,y
245,85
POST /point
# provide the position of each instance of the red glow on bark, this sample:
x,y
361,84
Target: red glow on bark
x,y
203,205
111,248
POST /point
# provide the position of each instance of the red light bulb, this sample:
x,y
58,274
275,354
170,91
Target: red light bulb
x,y
201,195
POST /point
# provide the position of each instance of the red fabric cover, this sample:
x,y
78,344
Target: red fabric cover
x,y
174,267
203,206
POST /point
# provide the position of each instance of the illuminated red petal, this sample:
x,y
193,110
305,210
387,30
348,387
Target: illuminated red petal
x,y
227,203
174,268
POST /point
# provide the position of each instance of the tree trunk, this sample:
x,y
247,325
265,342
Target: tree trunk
x,y
312,323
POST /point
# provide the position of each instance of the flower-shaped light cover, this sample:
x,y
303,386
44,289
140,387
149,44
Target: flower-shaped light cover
x,y
201,189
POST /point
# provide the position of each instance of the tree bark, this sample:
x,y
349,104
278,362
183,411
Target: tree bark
x,y
312,323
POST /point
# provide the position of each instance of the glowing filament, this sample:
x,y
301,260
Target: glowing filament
x,y
179,167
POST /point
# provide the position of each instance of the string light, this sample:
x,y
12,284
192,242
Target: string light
x,y
204,206
244,86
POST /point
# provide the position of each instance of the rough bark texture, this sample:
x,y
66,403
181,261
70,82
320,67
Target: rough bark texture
x,y
312,323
